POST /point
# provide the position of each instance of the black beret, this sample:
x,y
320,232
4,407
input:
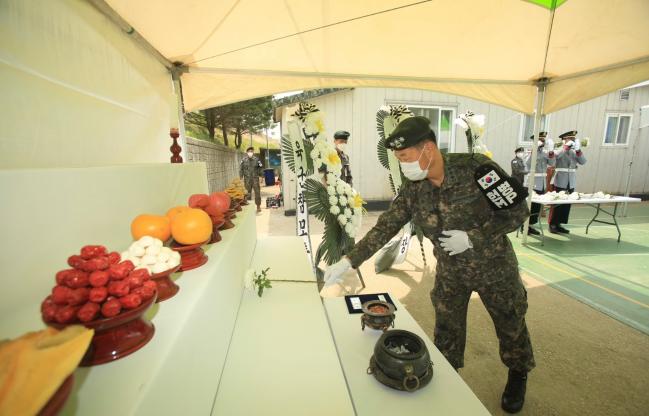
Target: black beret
x,y
409,132
341,134
571,133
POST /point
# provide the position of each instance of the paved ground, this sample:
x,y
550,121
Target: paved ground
x,y
588,363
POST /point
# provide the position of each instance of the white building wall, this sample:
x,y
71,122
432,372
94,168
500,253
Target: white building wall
x,y
607,167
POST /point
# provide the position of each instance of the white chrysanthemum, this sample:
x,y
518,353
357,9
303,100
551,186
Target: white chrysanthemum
x,y
248,279
342,200
342,219
333,200
314,154
349,229
348,213
314,123
330,189
340,188
335,209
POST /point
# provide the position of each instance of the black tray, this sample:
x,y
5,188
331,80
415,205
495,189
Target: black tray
x,y
355,307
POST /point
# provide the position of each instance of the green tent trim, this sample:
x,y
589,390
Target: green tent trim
x,y
548,4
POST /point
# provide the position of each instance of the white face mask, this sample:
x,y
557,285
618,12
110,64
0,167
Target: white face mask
x,y
540,143
520,155
413,171
340,146
250,154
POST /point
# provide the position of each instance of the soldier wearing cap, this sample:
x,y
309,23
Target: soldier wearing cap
x,y
519,170
249,170
465,204
340,140
544,157
569,157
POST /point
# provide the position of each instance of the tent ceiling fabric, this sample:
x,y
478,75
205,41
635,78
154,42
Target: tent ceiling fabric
x,y
489,50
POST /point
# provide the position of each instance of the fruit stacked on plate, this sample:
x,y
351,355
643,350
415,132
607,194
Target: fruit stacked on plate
x,y
98,285
236,189
211,204
148,253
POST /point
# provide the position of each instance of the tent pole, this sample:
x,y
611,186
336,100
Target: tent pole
x,y
538,111
175,76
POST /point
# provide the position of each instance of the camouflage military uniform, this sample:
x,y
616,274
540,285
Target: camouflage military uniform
x,y
345,171
249,170
519,170
489,268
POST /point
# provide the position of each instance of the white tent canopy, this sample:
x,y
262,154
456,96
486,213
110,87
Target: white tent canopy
x,y
495,51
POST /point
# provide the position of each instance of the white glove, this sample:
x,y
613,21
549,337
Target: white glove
x,y
569,144
549,144
577,145
334,273
456,243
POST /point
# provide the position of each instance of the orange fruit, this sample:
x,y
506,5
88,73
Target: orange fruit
x,y
176,210
191,226
156,226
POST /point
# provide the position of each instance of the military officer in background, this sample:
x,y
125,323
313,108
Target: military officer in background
x,y
250,170
544,157
465,204
340,140
519,170
569,156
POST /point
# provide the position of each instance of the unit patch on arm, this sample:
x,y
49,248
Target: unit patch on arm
x,y
500,189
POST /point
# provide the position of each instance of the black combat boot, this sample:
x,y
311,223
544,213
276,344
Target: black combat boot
x,y
514,394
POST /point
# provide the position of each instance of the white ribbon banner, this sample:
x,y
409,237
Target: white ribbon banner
x,y
404,244
301,209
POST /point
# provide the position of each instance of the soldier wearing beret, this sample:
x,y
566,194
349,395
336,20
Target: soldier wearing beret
x,y
569,157
519,170
249,170
340,140
465,204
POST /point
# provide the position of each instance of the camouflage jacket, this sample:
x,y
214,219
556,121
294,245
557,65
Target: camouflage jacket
x,y
345,171
457,205
518,169
250,167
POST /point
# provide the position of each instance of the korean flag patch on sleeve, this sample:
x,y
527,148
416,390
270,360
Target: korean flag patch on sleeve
x,y
501,191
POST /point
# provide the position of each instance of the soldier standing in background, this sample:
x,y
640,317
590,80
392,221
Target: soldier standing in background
x,y
519,170
340,140
565,177
250,169
465,204
544,158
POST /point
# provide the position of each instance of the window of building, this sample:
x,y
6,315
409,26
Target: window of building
x,y
618,127
624,95
441,122
527,127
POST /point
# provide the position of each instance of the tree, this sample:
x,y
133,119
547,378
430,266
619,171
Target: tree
x,y
244,117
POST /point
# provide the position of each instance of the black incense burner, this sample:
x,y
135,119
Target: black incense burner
x,y
401,361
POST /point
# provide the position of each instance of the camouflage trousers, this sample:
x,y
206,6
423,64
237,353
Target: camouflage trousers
x,y
253,184
506,302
